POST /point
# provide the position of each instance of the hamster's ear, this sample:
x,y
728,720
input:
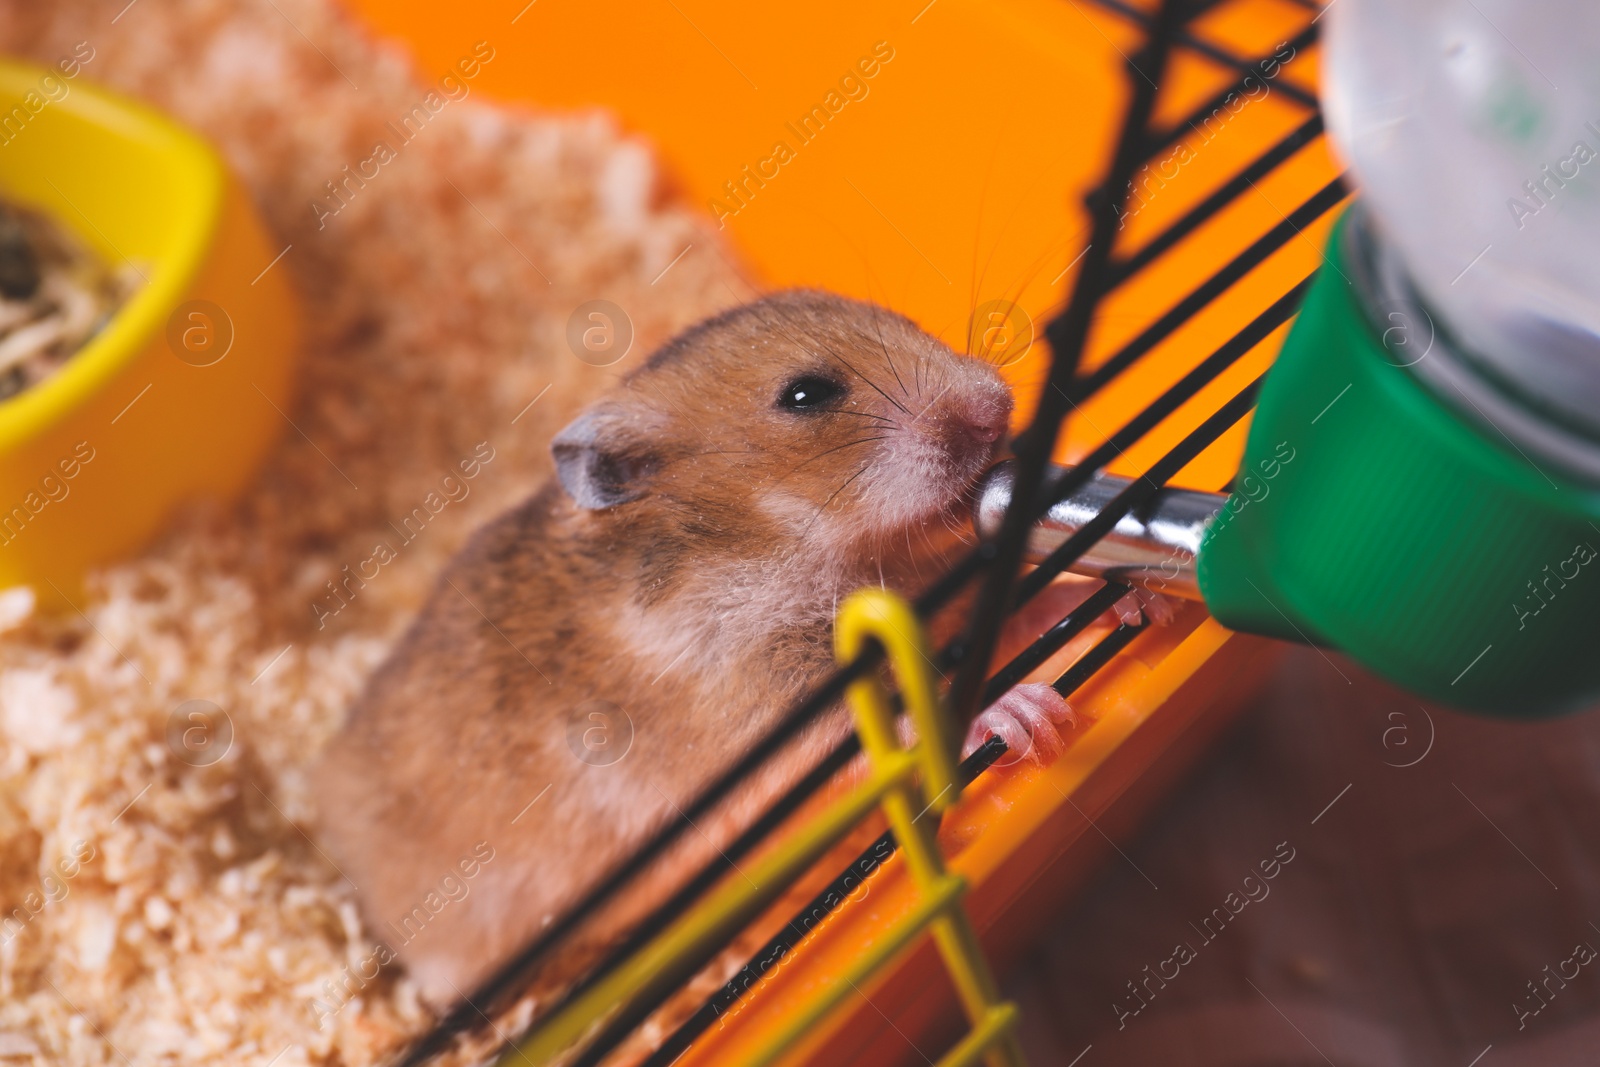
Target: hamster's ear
x,y
598,466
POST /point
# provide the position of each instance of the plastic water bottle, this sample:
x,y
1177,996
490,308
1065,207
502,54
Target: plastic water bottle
x,y
1472,130
1440,389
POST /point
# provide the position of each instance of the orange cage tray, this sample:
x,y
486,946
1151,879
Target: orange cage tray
x,y
952,175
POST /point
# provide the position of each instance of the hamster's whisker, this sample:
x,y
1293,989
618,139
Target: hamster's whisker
x,y
877,328
869,381
835,494
823,343
963,535
837,448
868,415
780,323
726,452
934,401
911,553
821,510
988,355
980,276
1013,294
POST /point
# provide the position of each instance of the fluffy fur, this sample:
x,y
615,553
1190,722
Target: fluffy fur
x,y
678,579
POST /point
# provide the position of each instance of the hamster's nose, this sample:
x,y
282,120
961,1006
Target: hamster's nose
x,y
983,420
986,432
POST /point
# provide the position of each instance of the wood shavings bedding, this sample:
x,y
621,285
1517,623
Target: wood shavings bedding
x,y
161,907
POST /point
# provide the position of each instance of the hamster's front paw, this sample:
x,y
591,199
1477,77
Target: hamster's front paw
x,y
1028,719
1141,607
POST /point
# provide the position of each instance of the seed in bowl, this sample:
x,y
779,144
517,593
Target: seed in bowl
x,y
55,295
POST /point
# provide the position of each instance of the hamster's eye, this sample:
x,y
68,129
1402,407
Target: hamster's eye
x,y
810,391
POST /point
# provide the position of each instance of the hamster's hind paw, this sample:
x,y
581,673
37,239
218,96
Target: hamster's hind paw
x,y
1028,719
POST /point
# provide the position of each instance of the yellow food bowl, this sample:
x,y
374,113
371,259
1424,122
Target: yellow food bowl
x,y
186,387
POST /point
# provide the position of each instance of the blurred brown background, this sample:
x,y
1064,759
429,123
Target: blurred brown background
x,y
1407,927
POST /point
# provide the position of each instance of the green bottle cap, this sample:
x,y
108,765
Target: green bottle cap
x,y
1371,516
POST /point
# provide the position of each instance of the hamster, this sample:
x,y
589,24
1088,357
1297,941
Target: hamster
x,y
596,655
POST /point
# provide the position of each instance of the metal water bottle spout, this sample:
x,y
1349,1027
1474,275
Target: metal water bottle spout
x,y
1156,546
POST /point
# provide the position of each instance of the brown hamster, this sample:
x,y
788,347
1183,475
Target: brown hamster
x,y
675,583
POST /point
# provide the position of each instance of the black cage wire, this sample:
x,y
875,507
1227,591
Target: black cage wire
x,y
996,561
